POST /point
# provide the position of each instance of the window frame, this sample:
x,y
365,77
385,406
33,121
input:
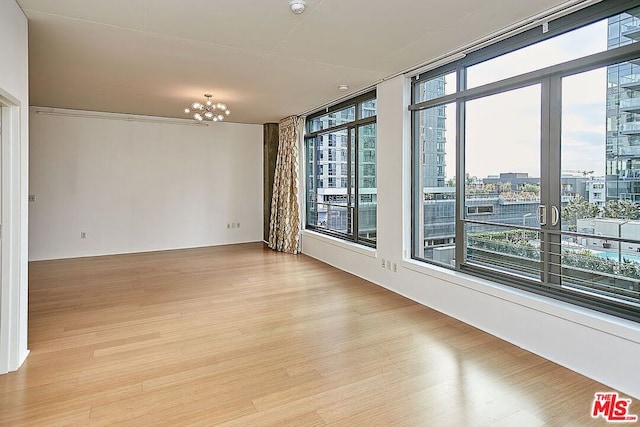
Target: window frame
x,y
546,76
352,176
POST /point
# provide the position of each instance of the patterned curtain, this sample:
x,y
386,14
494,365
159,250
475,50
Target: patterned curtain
x,y
284,227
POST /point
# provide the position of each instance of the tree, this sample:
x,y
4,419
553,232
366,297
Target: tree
x,y
621,209
578,208
470,180
488,188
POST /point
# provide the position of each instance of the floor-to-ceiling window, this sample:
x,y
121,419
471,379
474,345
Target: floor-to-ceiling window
x,y
523,161
341,178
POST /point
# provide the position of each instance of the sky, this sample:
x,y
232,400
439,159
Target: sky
x,y
503,130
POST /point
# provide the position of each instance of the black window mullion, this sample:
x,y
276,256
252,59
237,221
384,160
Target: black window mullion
x,y
460,235
553,172
349,182
348,103
366,120
356,162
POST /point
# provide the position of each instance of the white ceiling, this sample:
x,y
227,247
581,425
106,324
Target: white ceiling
x,y
154,57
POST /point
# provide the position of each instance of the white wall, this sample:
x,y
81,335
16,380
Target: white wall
x,y
140,185
596,345
14,92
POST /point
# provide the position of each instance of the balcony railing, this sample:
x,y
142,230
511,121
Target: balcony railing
x,y
634,197
628,151
632,81
522,197
337,218
610,270
630,104
630,128
631,30
629,175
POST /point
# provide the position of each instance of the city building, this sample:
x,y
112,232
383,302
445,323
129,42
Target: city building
x,y
431,129
623,113
596,191
621,228
508,202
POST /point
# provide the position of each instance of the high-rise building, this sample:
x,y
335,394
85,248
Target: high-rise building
x,y
432,135
623,113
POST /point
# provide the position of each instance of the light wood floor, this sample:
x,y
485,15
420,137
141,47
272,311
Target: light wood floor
x,y
241,335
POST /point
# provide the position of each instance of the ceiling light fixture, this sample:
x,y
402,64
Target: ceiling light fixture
x,y
343,87
297,6
208,110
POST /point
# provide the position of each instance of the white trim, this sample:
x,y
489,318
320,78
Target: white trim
x,y
5,288
11,358
602,322
48,111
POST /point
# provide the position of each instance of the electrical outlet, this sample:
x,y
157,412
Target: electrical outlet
x,y
388,265
83,234
233,225
395,267
383,263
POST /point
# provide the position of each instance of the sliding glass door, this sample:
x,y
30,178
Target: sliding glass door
x,y
551,209
502,192
600,232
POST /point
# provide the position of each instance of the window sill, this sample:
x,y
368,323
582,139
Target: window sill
x,y
343,244
622,328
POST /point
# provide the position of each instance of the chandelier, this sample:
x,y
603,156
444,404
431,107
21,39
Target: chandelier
x,y
208,110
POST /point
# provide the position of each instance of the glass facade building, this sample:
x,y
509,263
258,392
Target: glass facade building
x,y
623,112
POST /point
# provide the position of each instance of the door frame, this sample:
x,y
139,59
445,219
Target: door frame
x,y
12,297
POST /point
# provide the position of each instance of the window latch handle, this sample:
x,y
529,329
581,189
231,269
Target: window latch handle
x,y
542,215
555,216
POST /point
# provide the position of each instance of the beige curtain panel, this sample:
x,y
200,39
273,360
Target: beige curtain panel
x,y
284,227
